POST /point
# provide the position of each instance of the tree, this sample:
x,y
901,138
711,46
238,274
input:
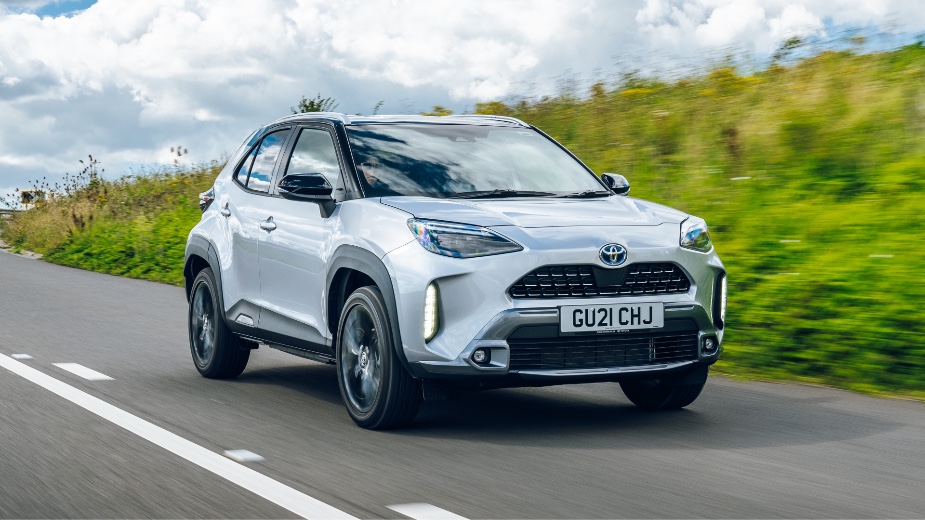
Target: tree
x,y
492,108
319,104
438,111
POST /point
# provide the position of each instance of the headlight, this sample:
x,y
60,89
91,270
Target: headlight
x,y
460,240
694,235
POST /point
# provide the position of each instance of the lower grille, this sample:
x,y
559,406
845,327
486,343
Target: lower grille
x,y
601,351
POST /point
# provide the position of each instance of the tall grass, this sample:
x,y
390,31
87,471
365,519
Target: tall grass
x,y
811,176
133,226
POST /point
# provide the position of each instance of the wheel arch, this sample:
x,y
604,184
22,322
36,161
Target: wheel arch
x,y
200,254
350,268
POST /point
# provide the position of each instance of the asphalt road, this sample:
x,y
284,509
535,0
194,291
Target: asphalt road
x,y
743,450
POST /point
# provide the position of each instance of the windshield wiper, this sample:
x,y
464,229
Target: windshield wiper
x,y
588,194
500,194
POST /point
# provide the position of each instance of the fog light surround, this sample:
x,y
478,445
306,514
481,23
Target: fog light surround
x,y
431,323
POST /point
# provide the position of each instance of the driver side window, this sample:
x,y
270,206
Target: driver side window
x,y
314,152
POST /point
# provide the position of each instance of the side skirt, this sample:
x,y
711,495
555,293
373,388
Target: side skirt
x,y
307,354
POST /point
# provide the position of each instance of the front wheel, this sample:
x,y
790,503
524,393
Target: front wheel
x,y
375,387
661,395
216,352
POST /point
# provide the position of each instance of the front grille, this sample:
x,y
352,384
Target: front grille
x,y
577,281
600,351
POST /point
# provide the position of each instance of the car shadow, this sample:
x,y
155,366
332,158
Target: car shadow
x,y
312,380
599,416
727,415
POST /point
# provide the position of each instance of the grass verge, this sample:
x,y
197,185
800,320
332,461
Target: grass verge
x,y
810,176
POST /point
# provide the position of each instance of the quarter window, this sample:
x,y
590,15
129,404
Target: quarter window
x,y
245,169
314,152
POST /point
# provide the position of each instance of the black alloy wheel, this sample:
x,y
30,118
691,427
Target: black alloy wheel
x,y
217,354
376,389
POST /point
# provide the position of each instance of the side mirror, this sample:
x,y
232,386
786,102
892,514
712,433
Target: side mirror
x,y
312,187
616,183
305,186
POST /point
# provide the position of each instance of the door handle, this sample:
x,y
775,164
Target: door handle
x,y
268,224
225,211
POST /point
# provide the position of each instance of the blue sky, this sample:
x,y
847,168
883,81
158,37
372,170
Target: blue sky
x,y
42,8
126,80
63,8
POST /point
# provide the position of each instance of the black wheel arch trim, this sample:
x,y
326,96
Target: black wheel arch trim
x,y
203,248
358,259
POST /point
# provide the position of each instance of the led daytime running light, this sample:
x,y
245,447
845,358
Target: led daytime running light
x,y
430,312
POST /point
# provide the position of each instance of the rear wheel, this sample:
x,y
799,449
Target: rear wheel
x,y
375,387
217,354
660,395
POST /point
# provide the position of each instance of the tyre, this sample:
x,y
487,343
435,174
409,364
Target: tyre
x,y
377,390
660,395
217,353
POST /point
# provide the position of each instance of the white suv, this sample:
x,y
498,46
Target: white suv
x,y
425,255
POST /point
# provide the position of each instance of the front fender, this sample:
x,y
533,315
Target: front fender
x,y
357,259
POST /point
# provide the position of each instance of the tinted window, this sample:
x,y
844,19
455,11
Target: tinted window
x,y
314,153
262,169
445,160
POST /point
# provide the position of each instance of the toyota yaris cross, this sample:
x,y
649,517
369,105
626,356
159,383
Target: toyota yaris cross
x,y
427,255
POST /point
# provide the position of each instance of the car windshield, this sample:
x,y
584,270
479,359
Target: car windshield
x,y
441,160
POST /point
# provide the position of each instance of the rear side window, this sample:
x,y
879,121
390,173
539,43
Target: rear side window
x,y
314,153
257,169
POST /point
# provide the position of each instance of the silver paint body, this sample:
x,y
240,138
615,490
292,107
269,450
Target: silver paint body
x,y
284,272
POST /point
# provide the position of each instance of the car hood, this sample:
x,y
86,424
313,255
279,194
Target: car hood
x,y
539,212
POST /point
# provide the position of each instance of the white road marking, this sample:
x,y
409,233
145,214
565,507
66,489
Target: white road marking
x,y
253,481
740,178
242,456
425,512
22,356
82,371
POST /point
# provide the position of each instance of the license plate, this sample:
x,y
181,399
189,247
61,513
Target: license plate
x,y
595,318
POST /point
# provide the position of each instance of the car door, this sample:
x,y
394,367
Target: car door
x,y
292,254
242,206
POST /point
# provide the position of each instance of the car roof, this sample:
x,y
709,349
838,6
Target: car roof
x,y
337,117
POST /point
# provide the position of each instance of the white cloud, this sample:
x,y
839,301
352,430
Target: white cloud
x,y
126,80
690,26
179,66
730,22
794,21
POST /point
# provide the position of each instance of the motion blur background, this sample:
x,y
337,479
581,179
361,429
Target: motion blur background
x,y
796,129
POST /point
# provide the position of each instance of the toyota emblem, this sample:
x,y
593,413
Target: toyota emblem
x,y
613,254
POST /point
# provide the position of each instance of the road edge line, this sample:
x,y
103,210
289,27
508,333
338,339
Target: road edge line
x,y
247,478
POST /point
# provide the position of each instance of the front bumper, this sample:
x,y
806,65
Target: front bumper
x,y
476,311
689,320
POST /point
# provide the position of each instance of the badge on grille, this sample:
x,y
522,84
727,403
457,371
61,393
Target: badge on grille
x,y
613,254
